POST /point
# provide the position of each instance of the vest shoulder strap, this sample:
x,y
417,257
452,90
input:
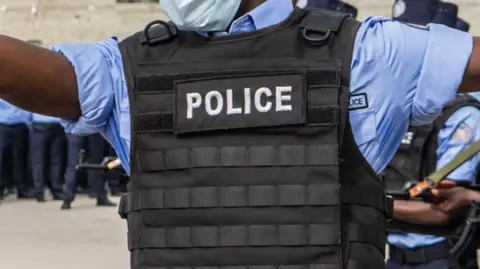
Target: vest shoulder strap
x,y
318,24
460,102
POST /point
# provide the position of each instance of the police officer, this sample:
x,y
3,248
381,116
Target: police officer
x,y
231,166
94,146
13,138
47,155
98,149
426,149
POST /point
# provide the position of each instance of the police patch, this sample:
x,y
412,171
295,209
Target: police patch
x,y
239,102
358,101
399,8
463,134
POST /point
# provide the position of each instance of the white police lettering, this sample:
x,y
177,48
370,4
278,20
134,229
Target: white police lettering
x,y
194,100
358,101
248,100
214,102
230,108
279,106
258,100
208,103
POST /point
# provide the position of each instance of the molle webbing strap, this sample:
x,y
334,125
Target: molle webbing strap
x,y
235,236
254,156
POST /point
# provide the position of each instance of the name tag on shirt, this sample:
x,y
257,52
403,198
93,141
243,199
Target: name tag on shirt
x,y
358,101
240,102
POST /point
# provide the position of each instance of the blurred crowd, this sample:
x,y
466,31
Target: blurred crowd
x,y
39,161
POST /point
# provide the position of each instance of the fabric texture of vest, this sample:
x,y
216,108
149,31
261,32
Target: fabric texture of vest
x,y
265,190
417,156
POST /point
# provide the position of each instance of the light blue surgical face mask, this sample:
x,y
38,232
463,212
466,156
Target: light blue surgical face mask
x,y
201,15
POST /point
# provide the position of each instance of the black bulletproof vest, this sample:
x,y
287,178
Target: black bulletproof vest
x,y
417,156
242,152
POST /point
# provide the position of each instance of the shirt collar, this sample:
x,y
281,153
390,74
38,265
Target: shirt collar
x,y
269,13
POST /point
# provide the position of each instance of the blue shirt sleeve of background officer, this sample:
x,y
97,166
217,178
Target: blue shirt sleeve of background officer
x,y
102,93
460,131
405,77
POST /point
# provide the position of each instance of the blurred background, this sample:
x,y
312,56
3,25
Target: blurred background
x,y
59,21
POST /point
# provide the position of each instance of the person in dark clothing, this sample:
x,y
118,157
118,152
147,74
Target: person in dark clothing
x,y
47,151
95,148
13,140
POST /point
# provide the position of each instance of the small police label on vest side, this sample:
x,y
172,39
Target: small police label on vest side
x,y
240,102
358,101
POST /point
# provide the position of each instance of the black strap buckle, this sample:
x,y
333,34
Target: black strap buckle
x,y
157,32
318,25
389,204
319,39
123,206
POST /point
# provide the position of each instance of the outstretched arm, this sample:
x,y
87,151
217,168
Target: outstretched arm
x,y
37,79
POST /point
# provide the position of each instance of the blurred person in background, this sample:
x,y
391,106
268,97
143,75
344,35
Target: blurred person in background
x,y
13,141
95,148
47,156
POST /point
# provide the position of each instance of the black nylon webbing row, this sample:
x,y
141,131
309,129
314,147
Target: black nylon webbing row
x,y
358,232
302,266
163,121
239,196
255,156
363,196
234,236
357,264
149,84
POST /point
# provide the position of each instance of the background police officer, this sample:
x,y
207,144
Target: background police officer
x,y
13,141
400,73
411,250
47,155
97,150
415,250
94,146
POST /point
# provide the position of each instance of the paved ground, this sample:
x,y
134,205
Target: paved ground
x,y
40,236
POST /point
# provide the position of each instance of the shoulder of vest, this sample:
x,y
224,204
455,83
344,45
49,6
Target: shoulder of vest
x,y
325,21
154,33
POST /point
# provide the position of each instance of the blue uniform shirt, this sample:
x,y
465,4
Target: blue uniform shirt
x,y
404,72
39,118
459,132
10,114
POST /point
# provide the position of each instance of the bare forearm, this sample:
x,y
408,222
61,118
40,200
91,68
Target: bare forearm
x,y
471,79
473,195
419,213
37,79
